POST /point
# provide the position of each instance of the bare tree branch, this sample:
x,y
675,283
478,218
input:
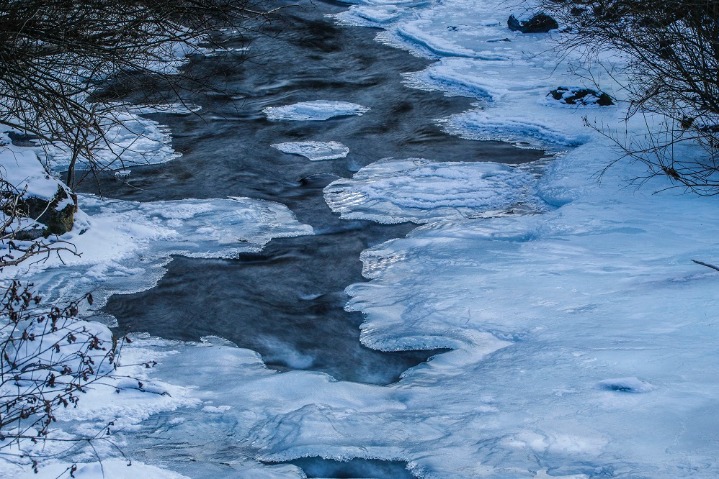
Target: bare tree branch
x,y
672,47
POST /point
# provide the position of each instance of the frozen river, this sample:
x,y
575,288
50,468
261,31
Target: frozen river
x,y
287,301
386,251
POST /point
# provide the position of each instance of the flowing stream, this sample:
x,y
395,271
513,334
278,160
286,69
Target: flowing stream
x,y
287,301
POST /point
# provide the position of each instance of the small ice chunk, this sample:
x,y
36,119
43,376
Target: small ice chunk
x,y
314,110
122,174
626,385
314,150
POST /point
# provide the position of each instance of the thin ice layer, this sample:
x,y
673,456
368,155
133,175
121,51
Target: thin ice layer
x,y
130,140
316,110
123,244
314,150
419,190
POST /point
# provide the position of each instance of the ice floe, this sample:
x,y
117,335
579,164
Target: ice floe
x,y
419,190
124,244
314,150
316,110
131,140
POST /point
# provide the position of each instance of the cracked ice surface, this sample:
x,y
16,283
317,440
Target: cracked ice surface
x,y
421,191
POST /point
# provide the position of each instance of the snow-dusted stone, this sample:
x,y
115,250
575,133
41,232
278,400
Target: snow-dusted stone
x,y
538,23
580,96
42,198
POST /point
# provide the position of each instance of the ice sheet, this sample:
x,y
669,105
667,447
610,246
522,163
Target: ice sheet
x,y
607,357
421,191
123,245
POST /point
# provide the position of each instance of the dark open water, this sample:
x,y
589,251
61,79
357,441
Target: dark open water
x,y
287,301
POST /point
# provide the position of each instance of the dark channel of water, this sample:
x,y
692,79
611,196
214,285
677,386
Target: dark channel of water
x,y
286,302
356,468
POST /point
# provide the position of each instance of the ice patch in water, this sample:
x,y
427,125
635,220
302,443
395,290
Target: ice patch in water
x,y
375,14
130,140
418,190
124,244
316,110
177,108
314,150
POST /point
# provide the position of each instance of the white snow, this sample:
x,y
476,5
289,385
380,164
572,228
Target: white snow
x,y
314,150
21,168
107,469
315,110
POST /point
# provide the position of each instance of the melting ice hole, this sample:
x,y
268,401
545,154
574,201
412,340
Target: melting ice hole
x,y
626,385
355,468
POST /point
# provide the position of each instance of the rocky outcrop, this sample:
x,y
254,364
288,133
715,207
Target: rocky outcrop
x,y
581,96
30,192
57,214
539,23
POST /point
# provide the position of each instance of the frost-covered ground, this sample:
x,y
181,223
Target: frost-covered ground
x,y
583,335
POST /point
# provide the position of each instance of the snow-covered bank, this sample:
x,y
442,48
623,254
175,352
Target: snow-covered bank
x,y
597,322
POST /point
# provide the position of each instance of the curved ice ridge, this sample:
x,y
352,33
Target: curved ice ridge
x,y
480,125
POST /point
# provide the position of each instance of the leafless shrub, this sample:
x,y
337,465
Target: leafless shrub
x,y
672,47
54,53
48,358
